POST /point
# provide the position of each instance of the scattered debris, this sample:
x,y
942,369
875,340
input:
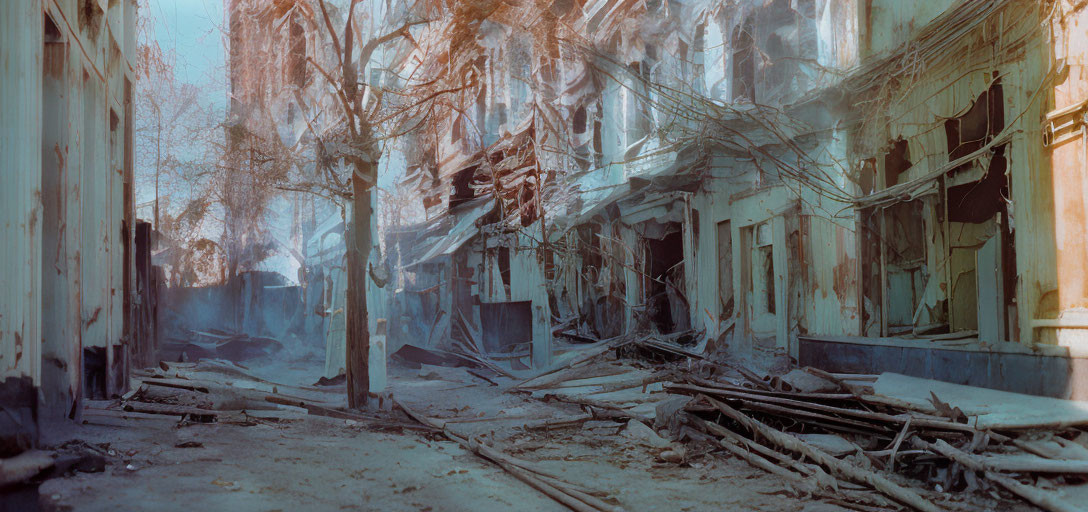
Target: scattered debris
x,y
570,495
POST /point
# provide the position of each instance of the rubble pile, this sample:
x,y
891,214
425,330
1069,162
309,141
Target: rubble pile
x,y
863,441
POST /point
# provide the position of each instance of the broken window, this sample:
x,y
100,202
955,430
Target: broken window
x,y
982,255
978,201
965,228
896,272
710,44
976,127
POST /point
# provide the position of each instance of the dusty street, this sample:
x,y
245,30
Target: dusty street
x,y
537,255
306,462
315,455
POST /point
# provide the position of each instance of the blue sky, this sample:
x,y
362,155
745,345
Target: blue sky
x,y
193,29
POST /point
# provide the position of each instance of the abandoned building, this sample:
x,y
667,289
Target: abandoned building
x,y
70,263
592,255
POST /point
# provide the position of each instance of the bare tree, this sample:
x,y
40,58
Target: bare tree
x,y
175,156
344,113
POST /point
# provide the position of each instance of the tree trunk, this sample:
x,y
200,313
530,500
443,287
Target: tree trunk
x,y
358,252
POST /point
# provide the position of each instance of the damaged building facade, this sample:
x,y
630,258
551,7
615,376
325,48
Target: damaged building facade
x,y
68,266
685,195
661,239
858,186
969,199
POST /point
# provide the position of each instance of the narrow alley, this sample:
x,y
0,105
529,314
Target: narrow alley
x,y
588,255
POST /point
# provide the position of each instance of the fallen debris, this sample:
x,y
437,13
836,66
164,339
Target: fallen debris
x,y
838,467
641,433
984,408
570,495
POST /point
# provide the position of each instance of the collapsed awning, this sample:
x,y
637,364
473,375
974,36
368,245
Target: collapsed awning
x,y
463,229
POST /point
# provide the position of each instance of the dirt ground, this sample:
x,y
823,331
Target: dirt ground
x,y
305,462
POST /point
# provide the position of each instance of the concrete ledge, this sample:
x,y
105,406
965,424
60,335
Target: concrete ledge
x,y
969,363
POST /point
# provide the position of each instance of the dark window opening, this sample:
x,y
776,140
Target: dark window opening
x,y
506,326
504,267
976,127
598,133
462,186
667,305
580,120
867,179
896,161
979,201
598,140
777,70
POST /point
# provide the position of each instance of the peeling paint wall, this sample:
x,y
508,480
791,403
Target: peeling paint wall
x,y
20,202
63,81
1004,45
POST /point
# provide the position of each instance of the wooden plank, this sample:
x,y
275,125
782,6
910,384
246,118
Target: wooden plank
x,y
203,415
1047,500
841,468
